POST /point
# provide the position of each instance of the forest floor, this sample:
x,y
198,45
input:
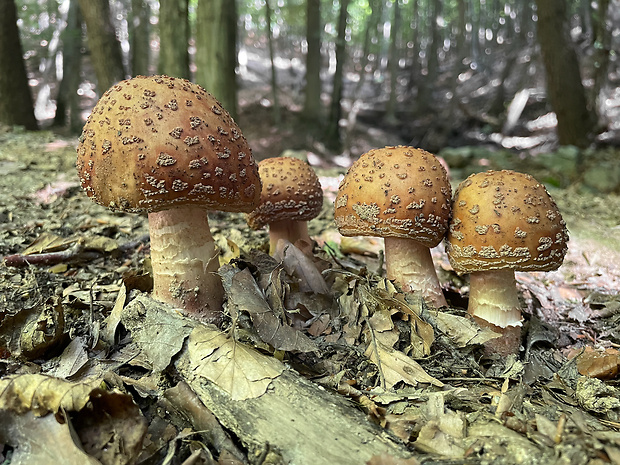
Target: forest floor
x,y
558,402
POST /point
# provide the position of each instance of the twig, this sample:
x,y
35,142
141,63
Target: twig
x,y
76,253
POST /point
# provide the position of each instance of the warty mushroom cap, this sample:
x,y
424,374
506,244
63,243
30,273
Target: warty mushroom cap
x,y
395,192
155,142
291,191
505,219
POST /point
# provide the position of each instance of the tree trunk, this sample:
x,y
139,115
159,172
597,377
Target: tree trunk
x,y
105,49
371,33
333,139
390,110
16,104
312,101
174,38
68,101
139,36
216,50
602,47
274,77
564,86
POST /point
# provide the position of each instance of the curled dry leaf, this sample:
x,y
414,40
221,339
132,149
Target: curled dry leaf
x,y
602,364
234,367
394,367
245,295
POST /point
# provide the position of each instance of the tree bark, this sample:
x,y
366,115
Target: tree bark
x,y
274,76
312,102
333,138
296,419
105,49
174,38
390,110
16,104
68,101
216,50
139,36
564,86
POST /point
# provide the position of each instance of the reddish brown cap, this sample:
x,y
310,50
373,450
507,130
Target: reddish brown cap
x,y
291,191
155,142
505,219
395,192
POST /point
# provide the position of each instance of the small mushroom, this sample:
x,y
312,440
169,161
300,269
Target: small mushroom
x,y
291,196
166,147
403,195
503,221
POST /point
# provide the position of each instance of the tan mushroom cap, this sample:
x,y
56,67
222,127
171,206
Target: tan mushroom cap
x,y
395,192
505,219
291,191
155,142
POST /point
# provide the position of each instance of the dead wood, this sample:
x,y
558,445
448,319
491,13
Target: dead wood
x,y
294,419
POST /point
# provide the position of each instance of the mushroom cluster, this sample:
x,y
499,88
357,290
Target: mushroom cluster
x,y
503,221
166,147
403,195
291,196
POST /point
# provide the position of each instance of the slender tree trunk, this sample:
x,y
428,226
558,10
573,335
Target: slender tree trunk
x,y
370,34
390,110
105,49
174,38
602,47
68,101
414,77
335,111
564,86
216,50
139,36
312,101
16,105
274,77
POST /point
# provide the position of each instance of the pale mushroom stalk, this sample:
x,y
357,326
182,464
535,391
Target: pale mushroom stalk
x,y
185,261
494,304
291,231
410,264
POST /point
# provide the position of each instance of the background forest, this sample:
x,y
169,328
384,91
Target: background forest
x,y
517,74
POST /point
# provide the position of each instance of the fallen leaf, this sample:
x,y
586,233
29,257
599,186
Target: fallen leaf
x,y
462,331
234,367
395,366
245,295
602,364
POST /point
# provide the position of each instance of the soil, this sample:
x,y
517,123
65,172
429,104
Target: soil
x,y
545,406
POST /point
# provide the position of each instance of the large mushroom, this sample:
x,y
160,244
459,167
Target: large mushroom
x,y
503,221
403,195
291,196
167,147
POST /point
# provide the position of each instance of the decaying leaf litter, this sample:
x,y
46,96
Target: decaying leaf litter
x,y
81,339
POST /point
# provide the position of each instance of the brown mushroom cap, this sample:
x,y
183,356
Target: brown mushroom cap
x,y
291,191
395,192
505,219
155,142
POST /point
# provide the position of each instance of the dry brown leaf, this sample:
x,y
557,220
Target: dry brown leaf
x,y
43,394
38,441
443,430
234,367
245,295
602,364
299,265
462,331
394,367
49,242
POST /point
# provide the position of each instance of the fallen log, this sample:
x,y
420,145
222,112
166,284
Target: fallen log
x,y
268,406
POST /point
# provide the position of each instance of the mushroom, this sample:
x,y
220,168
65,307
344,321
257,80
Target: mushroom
x,y
291,196
166,147
503,221
403,195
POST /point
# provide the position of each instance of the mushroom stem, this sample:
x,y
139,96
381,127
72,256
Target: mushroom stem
x,y
410,264
292,231
494,304
185,262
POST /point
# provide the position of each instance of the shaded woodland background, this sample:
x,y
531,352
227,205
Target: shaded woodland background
x,y
435,73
